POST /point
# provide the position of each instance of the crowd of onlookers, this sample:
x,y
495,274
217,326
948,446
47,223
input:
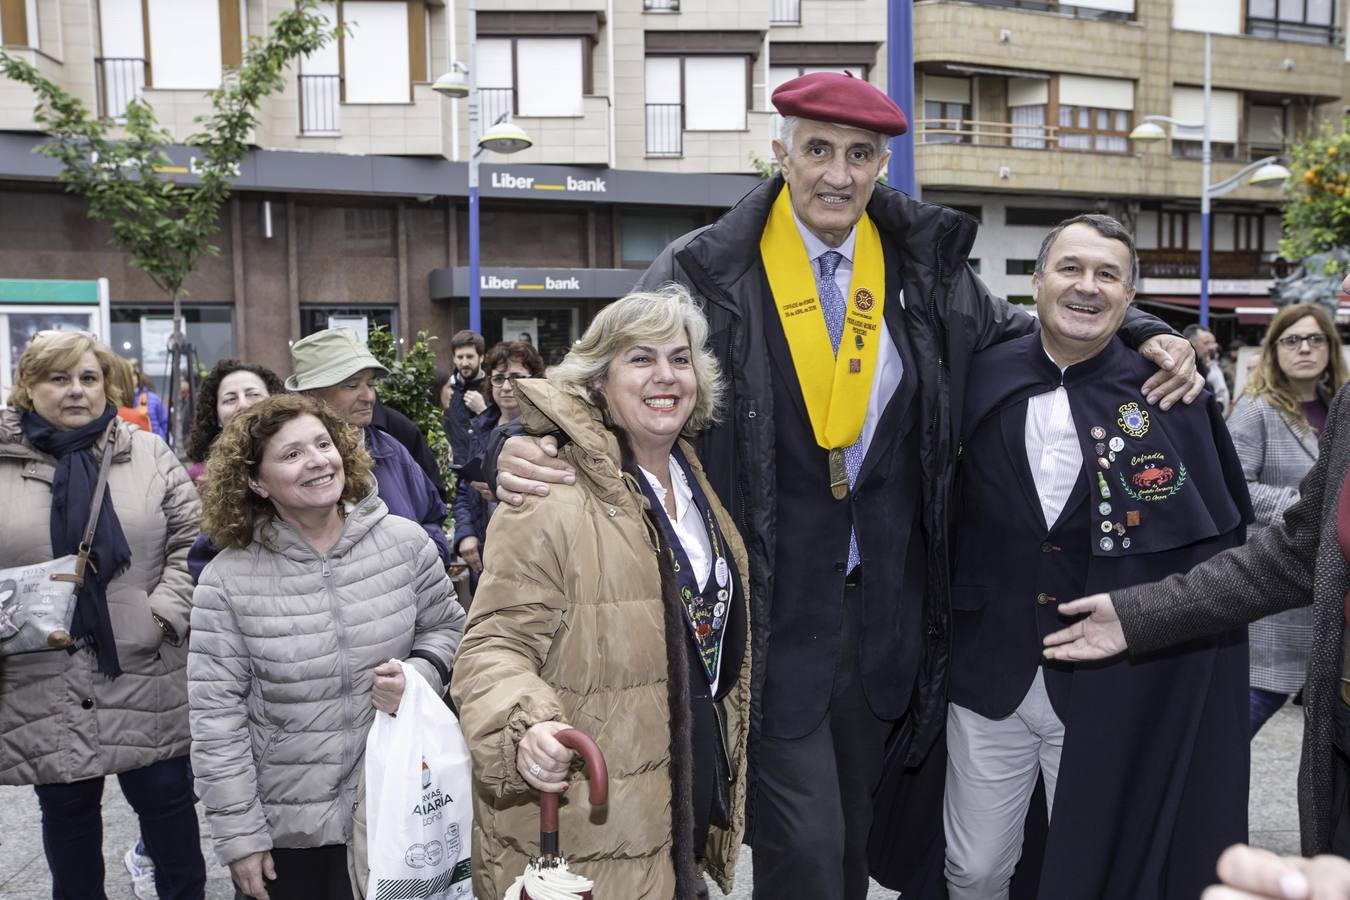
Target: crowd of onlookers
x,y
306,540
298,532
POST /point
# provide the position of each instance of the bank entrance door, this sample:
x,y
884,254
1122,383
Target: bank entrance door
x,y
551,328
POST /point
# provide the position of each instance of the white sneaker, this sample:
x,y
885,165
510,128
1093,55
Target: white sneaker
x,y
142,870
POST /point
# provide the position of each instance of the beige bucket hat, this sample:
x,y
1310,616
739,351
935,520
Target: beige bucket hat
x,y
329,357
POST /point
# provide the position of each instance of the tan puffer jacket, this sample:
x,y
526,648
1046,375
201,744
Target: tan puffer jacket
x,y
569,624
61,720
283,642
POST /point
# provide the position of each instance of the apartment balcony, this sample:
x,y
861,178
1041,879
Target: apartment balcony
x,y
320,104
1052,6
1229,264
1002,157
119,81
1297,32
785,12
665,129
966,33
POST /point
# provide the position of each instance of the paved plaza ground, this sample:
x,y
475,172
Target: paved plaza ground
x,y
23,870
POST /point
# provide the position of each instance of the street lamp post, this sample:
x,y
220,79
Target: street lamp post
x,y
1264,172
502,137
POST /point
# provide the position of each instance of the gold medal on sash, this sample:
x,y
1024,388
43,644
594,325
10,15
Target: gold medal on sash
x,y
838,474
835,386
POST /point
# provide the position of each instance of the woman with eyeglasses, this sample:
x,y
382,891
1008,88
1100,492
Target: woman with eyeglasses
x,y
1275,424
504,364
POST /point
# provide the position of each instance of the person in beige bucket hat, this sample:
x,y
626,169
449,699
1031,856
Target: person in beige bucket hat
x,y
328,358
335,366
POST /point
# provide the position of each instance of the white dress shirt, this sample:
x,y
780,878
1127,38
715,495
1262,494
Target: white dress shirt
x,y
691,532
1052,450
890,367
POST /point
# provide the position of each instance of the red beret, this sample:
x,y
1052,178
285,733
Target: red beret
x,y
842,100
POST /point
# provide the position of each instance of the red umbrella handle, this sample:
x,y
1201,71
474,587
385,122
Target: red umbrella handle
x,y
596,774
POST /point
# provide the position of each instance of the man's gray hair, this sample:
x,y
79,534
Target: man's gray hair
x,y
787,130
1107,227
644,318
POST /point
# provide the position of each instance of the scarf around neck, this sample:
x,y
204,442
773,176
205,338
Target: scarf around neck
x,y
72,499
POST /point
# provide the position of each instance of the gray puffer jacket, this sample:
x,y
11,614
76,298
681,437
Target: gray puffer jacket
x,y
283,643
60,720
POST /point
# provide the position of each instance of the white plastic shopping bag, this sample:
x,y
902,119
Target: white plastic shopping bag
x,y
419,809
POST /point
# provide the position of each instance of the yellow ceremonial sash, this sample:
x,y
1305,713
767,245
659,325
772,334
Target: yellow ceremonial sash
x,y
835,387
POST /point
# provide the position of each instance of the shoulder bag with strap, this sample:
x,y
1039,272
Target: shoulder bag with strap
x,y
37,602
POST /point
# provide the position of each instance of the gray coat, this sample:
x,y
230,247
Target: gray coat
x,y
60,720
283,642
1275,455
1281,567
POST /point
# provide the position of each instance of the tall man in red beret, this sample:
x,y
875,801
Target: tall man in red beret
x,y
845,316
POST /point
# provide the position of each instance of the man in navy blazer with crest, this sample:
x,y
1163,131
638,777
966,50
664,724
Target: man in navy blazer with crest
x,y
1069,484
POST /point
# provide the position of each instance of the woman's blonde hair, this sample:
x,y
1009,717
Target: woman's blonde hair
x,y
122,376
642,318
57,351
229,508
1269,381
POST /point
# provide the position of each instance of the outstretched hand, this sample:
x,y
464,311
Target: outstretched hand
x,y
1098,636
1176,378
1247,873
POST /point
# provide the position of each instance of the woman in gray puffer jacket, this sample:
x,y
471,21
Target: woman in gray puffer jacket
x,y
293,627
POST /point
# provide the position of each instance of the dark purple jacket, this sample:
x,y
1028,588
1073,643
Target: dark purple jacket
x,y
406,489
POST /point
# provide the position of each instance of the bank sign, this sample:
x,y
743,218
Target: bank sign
x,y
514,182
523,283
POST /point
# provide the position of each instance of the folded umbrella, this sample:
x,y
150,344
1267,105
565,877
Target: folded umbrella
x,y
548,877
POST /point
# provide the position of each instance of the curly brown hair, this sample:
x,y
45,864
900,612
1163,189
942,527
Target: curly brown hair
x,y
205,422
229,509
506,352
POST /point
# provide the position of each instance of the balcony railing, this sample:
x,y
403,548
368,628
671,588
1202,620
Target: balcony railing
x,y
1298,32
994,134
665,129
1022,136
1077,12
120,80
661,6
1186,264
320,104
785,12
493,103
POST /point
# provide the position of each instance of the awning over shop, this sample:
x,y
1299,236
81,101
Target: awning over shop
x,y
1249,310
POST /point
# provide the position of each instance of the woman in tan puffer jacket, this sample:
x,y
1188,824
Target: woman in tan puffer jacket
x,y
120,705
579,621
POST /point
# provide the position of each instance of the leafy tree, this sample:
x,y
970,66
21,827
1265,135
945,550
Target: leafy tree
x,y
407,388
1317,206
167,227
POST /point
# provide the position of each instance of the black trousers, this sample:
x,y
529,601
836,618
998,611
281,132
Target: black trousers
x,y
312,873
813,803
1340,739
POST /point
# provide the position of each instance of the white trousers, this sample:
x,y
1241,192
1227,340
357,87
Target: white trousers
x,y
991,775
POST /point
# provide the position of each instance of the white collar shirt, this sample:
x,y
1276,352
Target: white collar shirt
x,y
1053,453
689,529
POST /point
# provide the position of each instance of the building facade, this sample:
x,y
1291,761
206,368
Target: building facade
x,y
649,117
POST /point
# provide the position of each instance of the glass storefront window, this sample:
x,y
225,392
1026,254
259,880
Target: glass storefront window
x,y
644,235
209,329
17,330
551,329
361,318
